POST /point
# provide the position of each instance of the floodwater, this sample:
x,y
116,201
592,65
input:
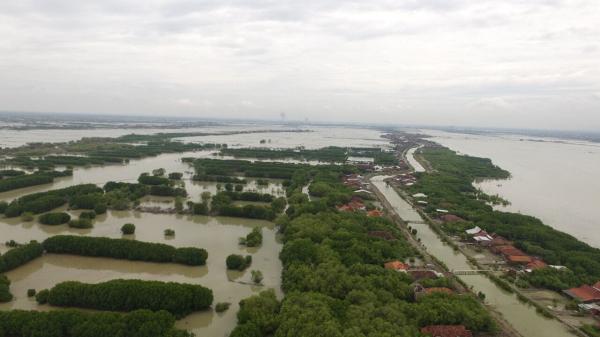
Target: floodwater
x,y
14,138
318,137
130,172
557,181
522,317
410,156
218,235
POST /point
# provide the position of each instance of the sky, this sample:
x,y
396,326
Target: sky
x,y
518,64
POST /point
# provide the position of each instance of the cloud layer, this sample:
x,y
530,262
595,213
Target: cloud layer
x,y
510,63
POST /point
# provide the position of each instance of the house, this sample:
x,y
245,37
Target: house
x,y
421,291
375,213
422,274
422,202
518,259
419,195
483,238
585,293
440,210
451,218
382,235
434,290
446,331
535,264
473,230
500,241
396,265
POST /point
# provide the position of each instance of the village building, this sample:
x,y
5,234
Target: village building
x,y
535,264
423,274
382,235
396,265
446,331
375,213
585,293
451,218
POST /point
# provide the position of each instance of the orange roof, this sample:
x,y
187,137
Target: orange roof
x,y
451,218
446,331
536,264
585,293
439,290
519,258
374,213
395,265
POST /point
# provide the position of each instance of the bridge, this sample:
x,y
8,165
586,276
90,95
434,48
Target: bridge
x,y
471,271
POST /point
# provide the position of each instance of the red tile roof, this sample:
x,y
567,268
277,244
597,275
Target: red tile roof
x,y
523,259
422,274
446,331
536,264
439,290
585,293
382,235
451,218
374,213
395,265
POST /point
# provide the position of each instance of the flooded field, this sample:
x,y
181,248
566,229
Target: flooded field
x,y
318,137
218,235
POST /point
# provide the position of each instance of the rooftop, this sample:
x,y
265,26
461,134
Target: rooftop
x,y
446,331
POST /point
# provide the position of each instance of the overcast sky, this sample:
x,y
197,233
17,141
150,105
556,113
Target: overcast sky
x,y
527,63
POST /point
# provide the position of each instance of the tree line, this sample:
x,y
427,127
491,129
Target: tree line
x,y
75,323
179,299
124,249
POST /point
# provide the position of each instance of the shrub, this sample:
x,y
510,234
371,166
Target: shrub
x,y
175,175
179,299
81,223
27,216
257,276
190,256
239,188
54,218
153,180
128,229
100,209
20,255
87,215
5,295
3,206
169,232
42,296
238,262
222,306
253,239
30,292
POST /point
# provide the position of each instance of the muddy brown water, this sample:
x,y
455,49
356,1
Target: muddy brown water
x,y
218,235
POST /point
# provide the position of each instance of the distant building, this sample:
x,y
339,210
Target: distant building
x,y
446,331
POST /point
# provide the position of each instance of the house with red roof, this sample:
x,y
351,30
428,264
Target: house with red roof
x,y
375,213
585,293
396,265
446,331
536,264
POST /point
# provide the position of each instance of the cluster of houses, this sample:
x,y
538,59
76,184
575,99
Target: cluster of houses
x,y
406,179
419,290
356,204
505,248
